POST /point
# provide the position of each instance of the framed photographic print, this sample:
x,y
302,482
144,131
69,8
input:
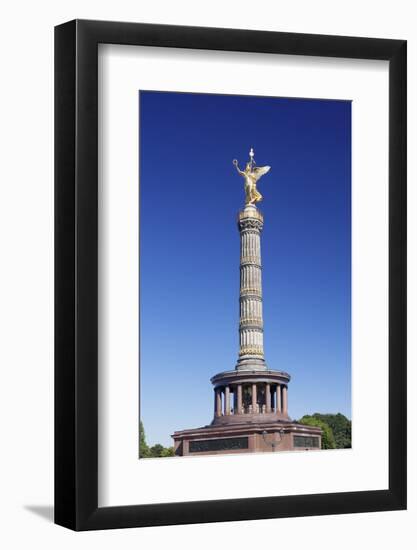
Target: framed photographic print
x,y
230,275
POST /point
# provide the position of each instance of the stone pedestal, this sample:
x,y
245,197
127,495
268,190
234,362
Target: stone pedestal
x,y
255,437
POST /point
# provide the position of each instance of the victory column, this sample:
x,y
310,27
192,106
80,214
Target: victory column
x,y
251,401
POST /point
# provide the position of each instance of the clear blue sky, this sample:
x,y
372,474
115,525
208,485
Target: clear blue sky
x,y
189,250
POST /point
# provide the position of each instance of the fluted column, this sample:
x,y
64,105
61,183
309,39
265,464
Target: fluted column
x,y
251,375
251,349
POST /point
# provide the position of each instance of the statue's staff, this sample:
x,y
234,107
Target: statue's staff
x,y
252,158
251,176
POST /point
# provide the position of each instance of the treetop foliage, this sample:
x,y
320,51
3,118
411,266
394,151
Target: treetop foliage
x,y
337,429
155,451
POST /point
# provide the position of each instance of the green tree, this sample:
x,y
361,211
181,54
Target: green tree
x,y
327,438
168,451
156,450
341,428
159,450
143,446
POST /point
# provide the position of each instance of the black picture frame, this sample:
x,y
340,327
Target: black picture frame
x,y
76,272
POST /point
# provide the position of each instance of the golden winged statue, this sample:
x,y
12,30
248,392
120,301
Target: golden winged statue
x,y
251,174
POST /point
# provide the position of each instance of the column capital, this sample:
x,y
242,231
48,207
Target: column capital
x,y
250,218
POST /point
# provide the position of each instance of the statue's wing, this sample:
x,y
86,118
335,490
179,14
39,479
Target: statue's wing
x,y
260,171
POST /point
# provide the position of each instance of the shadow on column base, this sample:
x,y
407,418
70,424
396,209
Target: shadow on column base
x,y
251,363
249,418
247,376
247,437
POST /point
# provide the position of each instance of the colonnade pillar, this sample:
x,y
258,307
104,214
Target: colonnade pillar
x,y
239,398
218,402
276,399
285,399
254,396
278,403
227,400
268,397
